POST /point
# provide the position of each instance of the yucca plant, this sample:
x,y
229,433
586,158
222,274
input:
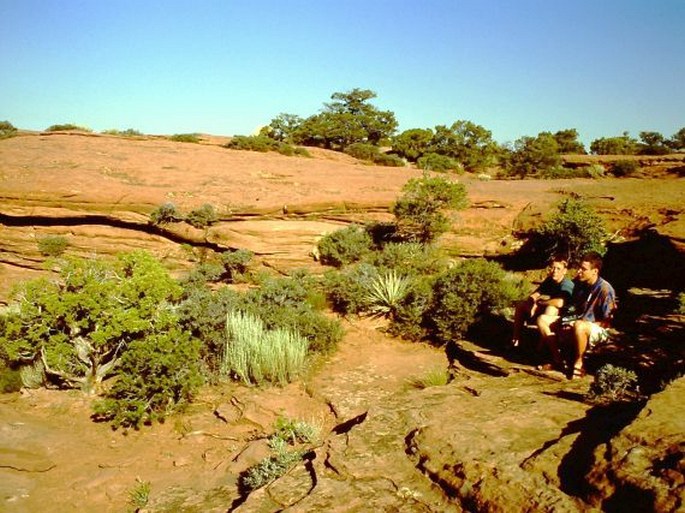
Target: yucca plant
x,y
385,293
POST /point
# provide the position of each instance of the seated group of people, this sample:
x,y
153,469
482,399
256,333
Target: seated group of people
x,y
574,314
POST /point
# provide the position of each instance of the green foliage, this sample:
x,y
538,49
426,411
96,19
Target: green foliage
x,y
235,264
388,160
7,130
344,246
613,383
440,163
264,143
267,470
347,120
413,144
10,379
534,155
468,143
282,127
139,495
52,245
677,140
80,325
347,289
568,142
465,294
386,292
653,143
681,303
621,145
202,217
293,431
409,258
419,211
157,375
254,354
558,172
574,229
187,138
411,317
129,132
433,378
362,151
65,127
624,167
166,213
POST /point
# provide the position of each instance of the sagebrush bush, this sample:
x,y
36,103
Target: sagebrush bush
x,y
613,383
419,211
166,213
129,132
574,229
410,319
466,293
344,246
347,289
263,144
7,130
157,375
52,245
439,163
254,354
624,167
362,151
388,160
203,216
187,138
436,377
235,264
408,258
64,127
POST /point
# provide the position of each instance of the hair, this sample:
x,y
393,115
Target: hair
x,y
594,259
559,258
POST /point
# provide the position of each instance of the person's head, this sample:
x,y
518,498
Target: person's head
x,y
590,267
558,266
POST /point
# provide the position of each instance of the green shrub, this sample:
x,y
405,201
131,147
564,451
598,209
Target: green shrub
x,y
67,127
129,132
574,229
7,130
187,138
10,379
411,319
418,212
625,167
344,246
681,303
52,245
347,289
202,217
465,294
433,378
559,172
440,163
385,292
81,324
157,375
613,383
166,213
389,160
235,264
362,151
139,495
408,258
254,354
252,143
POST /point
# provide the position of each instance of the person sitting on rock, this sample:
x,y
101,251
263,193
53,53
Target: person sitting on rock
x,y
593,304
546,302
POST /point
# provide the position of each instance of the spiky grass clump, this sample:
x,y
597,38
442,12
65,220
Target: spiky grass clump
x,y
386,291
433,378
254,355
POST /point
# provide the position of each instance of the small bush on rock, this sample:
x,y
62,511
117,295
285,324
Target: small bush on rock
x,y
166,213
344,246
52,245
202,217
613,384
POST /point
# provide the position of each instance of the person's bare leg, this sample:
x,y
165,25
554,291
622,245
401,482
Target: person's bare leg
x,y
581,337
544,324
522,313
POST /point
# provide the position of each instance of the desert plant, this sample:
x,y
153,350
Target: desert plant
x,y
235,263
534,155
362,151
347,289
202,217
613,383
385,293
293,431
157,375
621,145
80,325
254,354
344,246
389,160
681,303
419,211
52,245
574,229
129,132
436,377
139,495
465,294
187,138
624,167
410,318
7,130
166,213
408,258
64,127
267,470
440,163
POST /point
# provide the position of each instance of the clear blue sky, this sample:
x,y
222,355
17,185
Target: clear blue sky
x,y
516,67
